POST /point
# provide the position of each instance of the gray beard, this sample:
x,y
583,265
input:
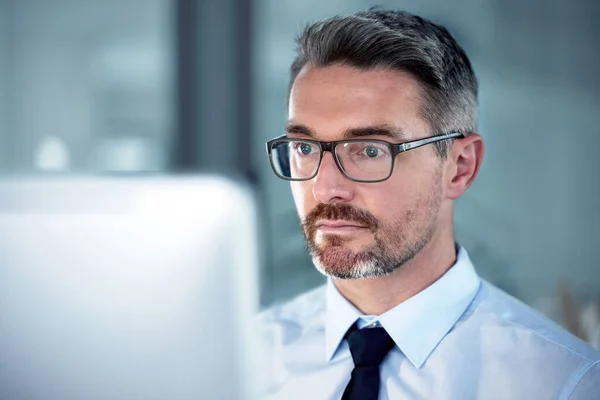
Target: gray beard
x,y
336,261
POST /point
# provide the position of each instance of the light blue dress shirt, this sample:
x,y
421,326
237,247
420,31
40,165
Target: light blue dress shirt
x,y
459,339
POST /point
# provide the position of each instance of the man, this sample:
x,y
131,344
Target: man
x,y
380,142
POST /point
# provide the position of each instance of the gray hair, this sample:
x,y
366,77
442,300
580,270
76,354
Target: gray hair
x,y
398,40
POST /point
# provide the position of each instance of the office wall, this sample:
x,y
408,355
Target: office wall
x,y
4,82
93,80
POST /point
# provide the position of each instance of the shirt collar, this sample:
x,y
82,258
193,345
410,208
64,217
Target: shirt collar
x,y
416,325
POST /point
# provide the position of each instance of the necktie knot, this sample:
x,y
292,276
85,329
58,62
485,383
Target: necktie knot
x,y
369,346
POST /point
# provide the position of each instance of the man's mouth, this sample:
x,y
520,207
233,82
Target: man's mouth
x,y
338,226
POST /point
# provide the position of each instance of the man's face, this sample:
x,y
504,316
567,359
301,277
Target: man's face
x,y
364,230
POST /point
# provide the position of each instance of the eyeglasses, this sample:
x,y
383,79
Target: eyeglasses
x,y
358,159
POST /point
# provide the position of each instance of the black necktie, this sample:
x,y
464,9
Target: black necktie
x,y
368,347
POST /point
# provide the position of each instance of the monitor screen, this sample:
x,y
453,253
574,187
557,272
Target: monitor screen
x,y
127,288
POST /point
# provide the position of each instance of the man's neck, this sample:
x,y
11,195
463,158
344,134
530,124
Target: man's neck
x,y
374,296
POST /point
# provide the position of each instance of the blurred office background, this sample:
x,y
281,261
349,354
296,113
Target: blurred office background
x,y
171,86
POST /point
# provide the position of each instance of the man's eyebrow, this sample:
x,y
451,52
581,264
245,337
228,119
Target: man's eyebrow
x,y
389,131
300,129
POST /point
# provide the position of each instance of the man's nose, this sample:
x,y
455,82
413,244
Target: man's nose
x,y
330,183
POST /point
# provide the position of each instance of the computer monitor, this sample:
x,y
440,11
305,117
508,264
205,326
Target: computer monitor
x,y
127,288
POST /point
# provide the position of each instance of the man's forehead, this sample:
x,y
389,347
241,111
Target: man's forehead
x,y
344,102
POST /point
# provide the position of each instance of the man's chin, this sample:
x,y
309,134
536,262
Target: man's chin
x,y
342,263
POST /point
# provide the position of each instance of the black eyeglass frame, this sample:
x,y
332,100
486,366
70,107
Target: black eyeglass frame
x,y
395,149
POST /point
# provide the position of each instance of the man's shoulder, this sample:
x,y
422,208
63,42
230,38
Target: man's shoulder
x,y
524,326
519,340
301,311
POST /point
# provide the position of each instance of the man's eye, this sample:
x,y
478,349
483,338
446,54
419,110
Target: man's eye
x,y
304,148
373,151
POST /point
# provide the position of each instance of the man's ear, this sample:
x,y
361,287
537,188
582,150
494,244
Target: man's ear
x,y
464,159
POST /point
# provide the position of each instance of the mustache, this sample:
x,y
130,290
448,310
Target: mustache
x,y
346,212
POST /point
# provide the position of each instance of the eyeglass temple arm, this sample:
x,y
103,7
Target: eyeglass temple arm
x,y
432,139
